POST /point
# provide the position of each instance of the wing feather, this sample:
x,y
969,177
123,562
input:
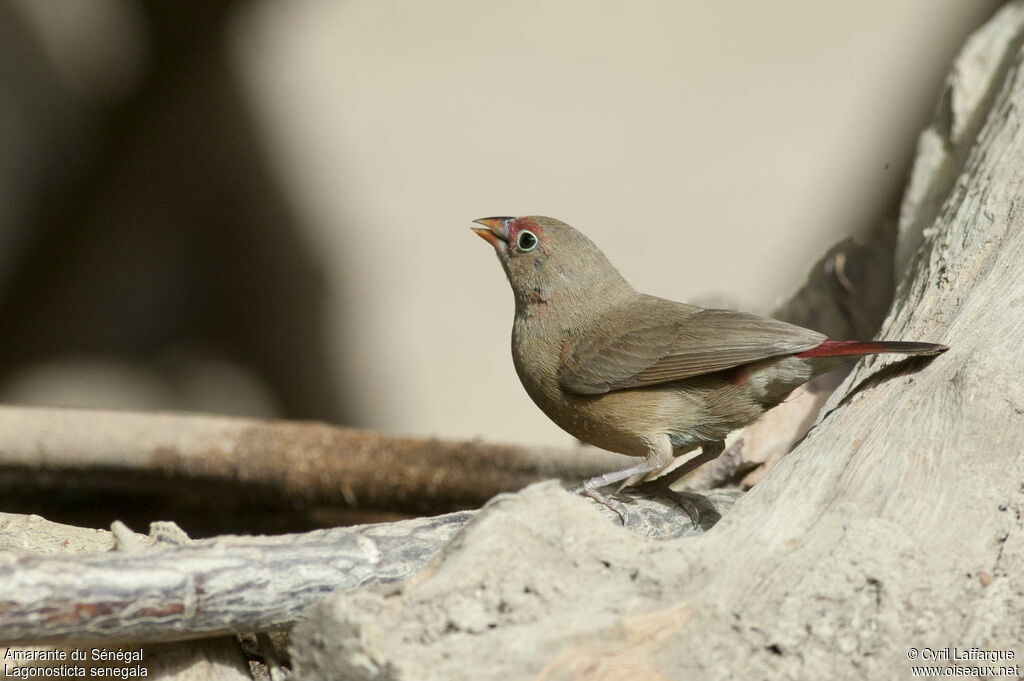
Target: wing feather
x,y
651,340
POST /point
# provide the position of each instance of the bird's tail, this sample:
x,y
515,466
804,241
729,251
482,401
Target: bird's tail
x,y
832,348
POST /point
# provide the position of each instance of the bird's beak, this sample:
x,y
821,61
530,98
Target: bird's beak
x,y
495,232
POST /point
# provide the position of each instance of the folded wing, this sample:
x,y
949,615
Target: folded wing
x,y
651,341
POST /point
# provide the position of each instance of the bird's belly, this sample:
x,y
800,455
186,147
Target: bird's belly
x,y
627,421
689,412
601,423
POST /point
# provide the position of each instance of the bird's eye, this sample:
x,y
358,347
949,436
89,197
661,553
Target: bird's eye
x,y
526,241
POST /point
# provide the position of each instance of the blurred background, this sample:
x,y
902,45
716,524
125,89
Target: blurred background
x,y
262,207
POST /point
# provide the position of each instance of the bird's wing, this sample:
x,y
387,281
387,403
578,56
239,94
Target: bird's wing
x,y
650,341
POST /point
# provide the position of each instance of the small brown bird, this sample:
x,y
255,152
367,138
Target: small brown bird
x,y
641,375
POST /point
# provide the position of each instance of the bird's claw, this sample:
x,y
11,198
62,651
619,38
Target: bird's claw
x,y
691,509
592,493
701,511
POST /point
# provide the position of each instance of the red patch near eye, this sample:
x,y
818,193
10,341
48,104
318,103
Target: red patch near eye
x,y
523,223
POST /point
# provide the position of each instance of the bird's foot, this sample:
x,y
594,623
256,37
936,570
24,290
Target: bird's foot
x,y
701,512
585,490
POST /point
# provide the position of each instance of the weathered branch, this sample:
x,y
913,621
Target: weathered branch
x,y
226,584
211,586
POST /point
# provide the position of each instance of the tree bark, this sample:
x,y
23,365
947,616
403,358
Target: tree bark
x,y
894,529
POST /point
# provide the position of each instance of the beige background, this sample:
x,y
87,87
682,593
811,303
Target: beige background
x,y
712,150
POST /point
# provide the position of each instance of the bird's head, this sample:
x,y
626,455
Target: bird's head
x,y
546,260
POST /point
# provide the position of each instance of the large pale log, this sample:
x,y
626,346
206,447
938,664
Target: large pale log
x,y
896,526
156,591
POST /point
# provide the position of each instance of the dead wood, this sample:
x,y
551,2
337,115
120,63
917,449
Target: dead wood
x,y
165,587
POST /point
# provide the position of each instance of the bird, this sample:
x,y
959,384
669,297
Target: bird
x,y
641,375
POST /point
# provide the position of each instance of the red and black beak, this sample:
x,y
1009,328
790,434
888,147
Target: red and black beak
x,y
495,232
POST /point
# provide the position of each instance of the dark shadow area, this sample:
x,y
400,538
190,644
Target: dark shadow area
x,y
163,232
203,507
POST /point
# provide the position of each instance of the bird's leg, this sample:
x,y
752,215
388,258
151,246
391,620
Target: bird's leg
x,y
709,451
657,457
600,481
663,485
590,487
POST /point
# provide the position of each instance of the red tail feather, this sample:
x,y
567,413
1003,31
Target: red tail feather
x,y
831,348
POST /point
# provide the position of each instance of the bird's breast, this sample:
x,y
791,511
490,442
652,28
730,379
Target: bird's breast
x,y
538,353
535,354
